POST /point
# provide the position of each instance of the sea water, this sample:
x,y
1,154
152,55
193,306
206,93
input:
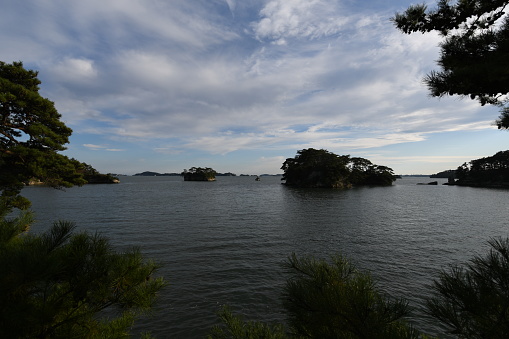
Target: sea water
x,y
224,242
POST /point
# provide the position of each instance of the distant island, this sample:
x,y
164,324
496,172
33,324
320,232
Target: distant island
x,y
312,168
226,174
199,174
155,174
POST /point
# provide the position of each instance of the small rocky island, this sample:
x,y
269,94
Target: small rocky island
x,y
199,174
312,168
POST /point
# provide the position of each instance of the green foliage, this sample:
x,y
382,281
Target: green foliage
x,y
335,300
475,49
57,284
316,168
60,285
321,168
92,176
473,301
327,300
199,174
236,328
493,170
31,134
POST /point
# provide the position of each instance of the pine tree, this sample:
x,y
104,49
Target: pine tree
x,y
475,50
335,300
56,284
473,300
64,285
31,135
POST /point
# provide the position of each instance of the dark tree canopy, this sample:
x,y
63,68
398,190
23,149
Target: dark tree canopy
x,y
56,284
321,168
473,299
327,299
488,171
31,135
63,285
199,174
335,300
316,168
474,58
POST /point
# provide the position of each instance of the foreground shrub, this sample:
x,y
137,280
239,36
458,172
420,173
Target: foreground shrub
x,y
473,300
335,300
64,285
326,300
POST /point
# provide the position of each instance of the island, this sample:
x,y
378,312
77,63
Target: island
x,y
92,176
156,174
199,174
444,174
489,172
312,168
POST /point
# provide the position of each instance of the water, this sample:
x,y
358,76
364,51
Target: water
x,y
224,242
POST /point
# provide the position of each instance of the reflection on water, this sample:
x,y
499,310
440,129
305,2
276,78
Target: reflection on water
x,y
223,242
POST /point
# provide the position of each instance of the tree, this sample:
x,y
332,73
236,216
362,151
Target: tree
x,y
335,300
199,174
60,285
473,300
316,168
475,51
31,135
56,284
327,300
235,327
488,171
92,176
321,168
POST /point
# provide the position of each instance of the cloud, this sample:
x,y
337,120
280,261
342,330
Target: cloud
x,y
286,19
75,70
149,94
102,148
232,4
185,76
94,147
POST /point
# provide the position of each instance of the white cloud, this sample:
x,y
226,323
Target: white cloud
x,y
94,147
232,4
76,70
286,19
278,75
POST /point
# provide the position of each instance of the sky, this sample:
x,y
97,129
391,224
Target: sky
x,y
239,86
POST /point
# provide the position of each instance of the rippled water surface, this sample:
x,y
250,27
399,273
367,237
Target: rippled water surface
x,y
223,242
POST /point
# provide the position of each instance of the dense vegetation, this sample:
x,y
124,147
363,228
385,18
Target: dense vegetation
x,y
31,135
64,285
473,300
321,168
58,284
475,51
199,174
335,300
92,176
488,171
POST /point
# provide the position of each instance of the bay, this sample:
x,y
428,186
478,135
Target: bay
x,y
223,243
